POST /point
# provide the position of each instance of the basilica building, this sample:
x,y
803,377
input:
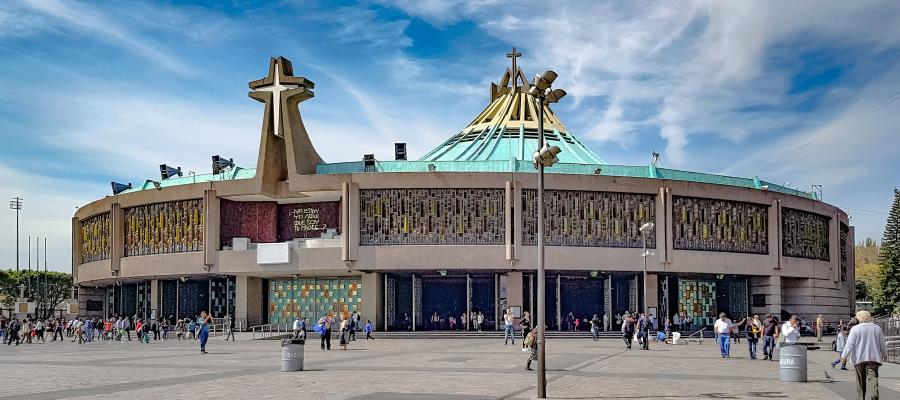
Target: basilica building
x,y
455,232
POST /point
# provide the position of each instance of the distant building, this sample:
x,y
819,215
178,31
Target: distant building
x,y
455,232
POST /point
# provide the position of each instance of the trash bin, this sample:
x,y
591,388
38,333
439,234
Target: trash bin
x,y
792,362
292,355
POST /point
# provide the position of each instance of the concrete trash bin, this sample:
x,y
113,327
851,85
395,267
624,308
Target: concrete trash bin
x,y
792,363
292,355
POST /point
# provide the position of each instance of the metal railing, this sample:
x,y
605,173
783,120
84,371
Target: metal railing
x,y
239,323
696,336
269,330
893,349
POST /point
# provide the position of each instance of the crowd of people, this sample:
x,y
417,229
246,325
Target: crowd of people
x,y
116,328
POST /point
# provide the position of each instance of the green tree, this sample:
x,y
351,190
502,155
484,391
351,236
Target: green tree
x,y
46,289
868,270
888,299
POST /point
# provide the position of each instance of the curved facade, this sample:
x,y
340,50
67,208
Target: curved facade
x,y
455,233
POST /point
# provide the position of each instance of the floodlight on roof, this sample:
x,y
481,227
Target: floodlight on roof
x,y
221,164
119,187
554,95
166,172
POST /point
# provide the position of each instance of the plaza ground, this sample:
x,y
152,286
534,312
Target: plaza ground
x,y
409,369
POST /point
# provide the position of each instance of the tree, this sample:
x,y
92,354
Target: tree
x,y
888,299
46,289
868,270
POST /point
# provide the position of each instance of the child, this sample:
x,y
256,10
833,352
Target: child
x,y
368,330
839,342
179,329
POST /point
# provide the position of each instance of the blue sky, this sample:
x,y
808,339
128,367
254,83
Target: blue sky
x,y
97,91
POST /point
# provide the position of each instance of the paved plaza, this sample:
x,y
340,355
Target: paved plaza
x,y
409,369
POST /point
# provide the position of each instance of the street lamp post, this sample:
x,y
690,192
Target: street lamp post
x,y
544,157
645,229
16,204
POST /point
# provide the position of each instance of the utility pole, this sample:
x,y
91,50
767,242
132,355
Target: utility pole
x,y
16,204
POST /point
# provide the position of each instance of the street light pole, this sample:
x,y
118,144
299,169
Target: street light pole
x,y
544,157
16,204
542,281
645,229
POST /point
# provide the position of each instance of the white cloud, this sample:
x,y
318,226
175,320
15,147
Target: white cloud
x,y
94,23
49,204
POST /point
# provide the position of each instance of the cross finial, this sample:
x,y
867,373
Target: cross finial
x,y
514,73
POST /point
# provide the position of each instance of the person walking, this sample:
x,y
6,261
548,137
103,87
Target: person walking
x,y
627,330
840,342
325,331
464,319
751,327
866,349
508,331
345,332
480,320
595,327
192,328
723,327
644,325
128,326
12,333
526,325
229,328
530,342
203,326
39,328
769,332
368,330
296,328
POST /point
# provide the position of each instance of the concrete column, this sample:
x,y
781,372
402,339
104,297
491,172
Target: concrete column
x,y
372,298
211,224
240,297
514,293
76,247
349,221
154,297
117,237
509,221
670,238
517,221
774,298
652,292
834,247
660,218
774,233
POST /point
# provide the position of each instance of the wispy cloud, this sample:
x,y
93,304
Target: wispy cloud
x,y
92,22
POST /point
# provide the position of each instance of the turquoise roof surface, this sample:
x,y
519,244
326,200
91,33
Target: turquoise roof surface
x,y
498,142
230,175
508,166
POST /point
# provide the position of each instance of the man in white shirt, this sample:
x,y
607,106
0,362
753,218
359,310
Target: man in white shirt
x,y
791,330
723,327
867,346
297,328
508,331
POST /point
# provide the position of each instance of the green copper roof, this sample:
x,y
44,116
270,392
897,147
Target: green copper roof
x,y
517,166
233,174
499,143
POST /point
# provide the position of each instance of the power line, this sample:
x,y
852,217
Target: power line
x,y
857,117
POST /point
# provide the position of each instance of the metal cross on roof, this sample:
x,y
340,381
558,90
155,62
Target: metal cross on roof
x,y
514,71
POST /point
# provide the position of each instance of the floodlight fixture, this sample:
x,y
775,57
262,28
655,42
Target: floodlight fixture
x,y
166,172
221,164
119,187
647,227
554,95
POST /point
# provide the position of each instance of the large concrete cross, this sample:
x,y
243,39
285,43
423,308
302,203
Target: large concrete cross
x,y
281,78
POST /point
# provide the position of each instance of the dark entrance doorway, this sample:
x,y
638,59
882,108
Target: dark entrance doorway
x,y
581,297
444,296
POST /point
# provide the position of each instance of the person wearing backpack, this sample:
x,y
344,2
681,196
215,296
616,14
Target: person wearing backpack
x,y
627,330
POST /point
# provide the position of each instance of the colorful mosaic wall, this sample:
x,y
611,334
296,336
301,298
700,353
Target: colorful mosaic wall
x,y
171,227
95,238
697,298
845,249
804,234
307,220
432,216
719,225
599,219
312,298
